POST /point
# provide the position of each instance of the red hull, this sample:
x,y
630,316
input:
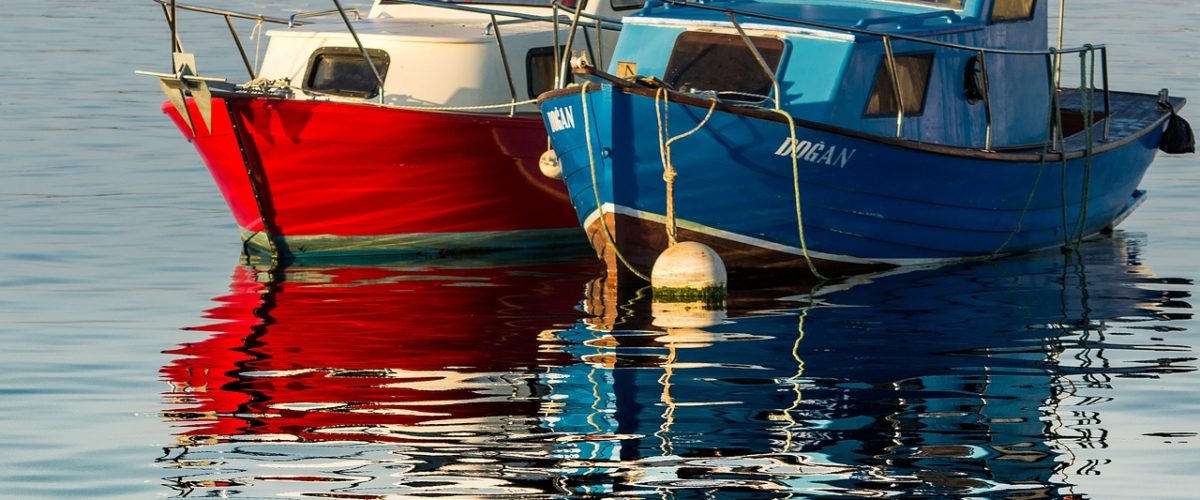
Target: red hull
x,y
328,172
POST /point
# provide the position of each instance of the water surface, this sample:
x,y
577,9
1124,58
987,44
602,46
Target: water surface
x,y
141,358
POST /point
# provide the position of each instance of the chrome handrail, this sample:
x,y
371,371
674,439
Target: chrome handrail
x,y
512,89
222,12
319,13
897,94
610,23
601,23
361,49
873,33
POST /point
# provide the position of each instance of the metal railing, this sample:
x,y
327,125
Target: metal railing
x,y
600,24
170,9
1052,57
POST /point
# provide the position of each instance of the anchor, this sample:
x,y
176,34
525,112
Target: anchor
x,y
184,81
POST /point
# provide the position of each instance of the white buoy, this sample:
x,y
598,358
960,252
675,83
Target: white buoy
x,y
550,165
688,272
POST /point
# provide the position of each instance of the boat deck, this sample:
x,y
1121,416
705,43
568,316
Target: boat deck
x,y
1130,115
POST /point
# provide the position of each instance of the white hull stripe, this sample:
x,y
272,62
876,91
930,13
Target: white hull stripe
x,y
757,242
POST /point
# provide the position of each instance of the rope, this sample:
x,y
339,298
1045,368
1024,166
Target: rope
x,y
661,113
1028,200
796,190
1085,94
1058,136
1041,168
587,134
256,34
462,108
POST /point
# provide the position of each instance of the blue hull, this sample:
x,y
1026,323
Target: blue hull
x,y
864,201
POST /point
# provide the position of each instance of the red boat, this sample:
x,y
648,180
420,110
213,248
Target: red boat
x,y
379,354
412,130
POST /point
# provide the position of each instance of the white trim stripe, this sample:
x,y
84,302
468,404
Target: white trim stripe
x,y
758,242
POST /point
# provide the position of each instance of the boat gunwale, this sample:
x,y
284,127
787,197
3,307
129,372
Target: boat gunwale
x,y
233,92
1006,155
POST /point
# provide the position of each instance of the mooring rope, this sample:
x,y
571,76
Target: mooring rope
x,y
1028,200
1062,152
587,134
1041,161
661,113
796,191
1086,103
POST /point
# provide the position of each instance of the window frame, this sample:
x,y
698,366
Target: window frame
x,y
881,70
775,65
547,50
379,57
1033,6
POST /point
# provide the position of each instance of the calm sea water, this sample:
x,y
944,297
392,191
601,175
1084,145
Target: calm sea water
x,y
140,358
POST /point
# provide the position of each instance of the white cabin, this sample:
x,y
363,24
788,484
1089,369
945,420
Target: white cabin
x,y
440,54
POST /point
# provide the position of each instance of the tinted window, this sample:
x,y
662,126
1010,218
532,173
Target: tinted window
x,y
343,71
912,73
1012,10
722,63
627,4
539,65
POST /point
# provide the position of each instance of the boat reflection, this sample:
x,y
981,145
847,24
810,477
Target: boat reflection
x,y
438,357
509,379
977,379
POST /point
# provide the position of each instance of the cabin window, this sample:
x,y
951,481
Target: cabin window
x,y
343,71
626,4
539,66
1012,10
704,61
912,73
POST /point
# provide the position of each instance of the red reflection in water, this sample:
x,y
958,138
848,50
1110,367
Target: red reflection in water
x,y
355,352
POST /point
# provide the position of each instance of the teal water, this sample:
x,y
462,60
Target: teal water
x,y
140,358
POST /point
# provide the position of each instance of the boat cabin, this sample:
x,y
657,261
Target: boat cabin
x,y
445,54
830,62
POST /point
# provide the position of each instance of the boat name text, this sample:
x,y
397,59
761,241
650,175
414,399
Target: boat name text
x,y
819,153
560,119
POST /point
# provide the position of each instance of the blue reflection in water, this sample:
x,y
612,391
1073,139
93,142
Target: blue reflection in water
x,y
940,382
531,379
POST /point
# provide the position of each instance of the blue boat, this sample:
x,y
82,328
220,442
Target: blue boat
x,y
831,137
